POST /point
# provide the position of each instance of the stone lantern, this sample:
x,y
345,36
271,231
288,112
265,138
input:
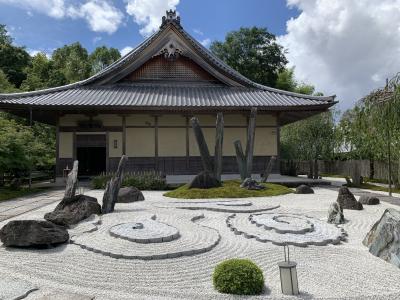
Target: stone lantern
x,y
288,275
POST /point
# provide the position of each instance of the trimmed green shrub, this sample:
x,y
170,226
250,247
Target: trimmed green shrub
x,y
238,276
142,180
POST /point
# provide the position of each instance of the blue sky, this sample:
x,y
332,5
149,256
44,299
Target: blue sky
x,y
206,19
342,47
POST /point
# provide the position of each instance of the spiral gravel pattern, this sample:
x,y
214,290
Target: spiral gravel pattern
x,y
106,240
264,228
344,271
235,206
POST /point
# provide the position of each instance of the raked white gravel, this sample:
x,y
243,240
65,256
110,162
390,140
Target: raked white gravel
x,y
343,271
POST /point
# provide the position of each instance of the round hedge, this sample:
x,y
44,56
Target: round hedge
x,y
238,276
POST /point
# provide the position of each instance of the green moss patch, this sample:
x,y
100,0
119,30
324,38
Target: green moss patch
x,y
229,189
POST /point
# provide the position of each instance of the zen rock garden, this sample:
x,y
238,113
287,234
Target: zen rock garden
x,y
177,248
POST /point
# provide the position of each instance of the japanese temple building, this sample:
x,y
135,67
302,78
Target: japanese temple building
x,y
141,106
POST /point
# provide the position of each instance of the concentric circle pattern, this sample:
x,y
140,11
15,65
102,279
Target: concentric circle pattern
x,y
159,241
286,229
146,231
232,206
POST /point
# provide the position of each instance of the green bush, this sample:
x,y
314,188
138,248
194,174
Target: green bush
x,y
238,276
142,180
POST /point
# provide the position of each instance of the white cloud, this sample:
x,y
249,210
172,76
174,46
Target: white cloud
x,y
344,47
101,15
198,31
126,50
34,52
205,42
148,13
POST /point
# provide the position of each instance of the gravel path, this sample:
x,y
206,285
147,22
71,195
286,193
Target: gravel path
x,y
343,271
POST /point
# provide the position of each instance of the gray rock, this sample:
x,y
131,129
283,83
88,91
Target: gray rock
x,y
129,194
347,200
304,189
32,233
72,181
13,288
204,180
71,211
335,214
369,200
110,196
383,238
251,184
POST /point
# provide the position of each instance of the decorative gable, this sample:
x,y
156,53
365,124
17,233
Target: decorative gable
x,y
170,67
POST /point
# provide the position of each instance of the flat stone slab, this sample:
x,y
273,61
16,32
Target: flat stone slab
x,y
283,223
146,231
234,206
321,234
194,238
12,289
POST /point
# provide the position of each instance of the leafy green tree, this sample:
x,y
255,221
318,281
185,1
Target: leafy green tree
x,y
5,85
13,60
102,57
72,61
254,53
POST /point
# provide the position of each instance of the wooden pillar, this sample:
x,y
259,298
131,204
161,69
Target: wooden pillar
x,y
74,146
278,143
187,145
57,146
156,142
107,152
123,135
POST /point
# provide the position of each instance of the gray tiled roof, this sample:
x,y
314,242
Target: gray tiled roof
x,y
89,93
155,95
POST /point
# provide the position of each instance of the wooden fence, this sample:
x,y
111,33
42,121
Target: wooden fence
x,y
374,169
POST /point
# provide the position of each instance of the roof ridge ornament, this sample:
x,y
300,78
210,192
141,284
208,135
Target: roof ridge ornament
x,y
171,17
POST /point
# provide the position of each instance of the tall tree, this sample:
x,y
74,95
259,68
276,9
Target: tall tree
x,y
102,57
13,59
72,61
5,85
254,53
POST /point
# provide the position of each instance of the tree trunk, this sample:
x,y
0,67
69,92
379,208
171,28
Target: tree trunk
x,y
311,169
219,141
250,142
111,193
371,169
201,142
268,168
316,171
241,159
72,181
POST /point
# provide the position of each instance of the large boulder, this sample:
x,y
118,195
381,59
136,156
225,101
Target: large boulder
x,y
383,240
335,214
204,180
347,200
304,189
129,194
251,184
368,200
32,233
71,211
